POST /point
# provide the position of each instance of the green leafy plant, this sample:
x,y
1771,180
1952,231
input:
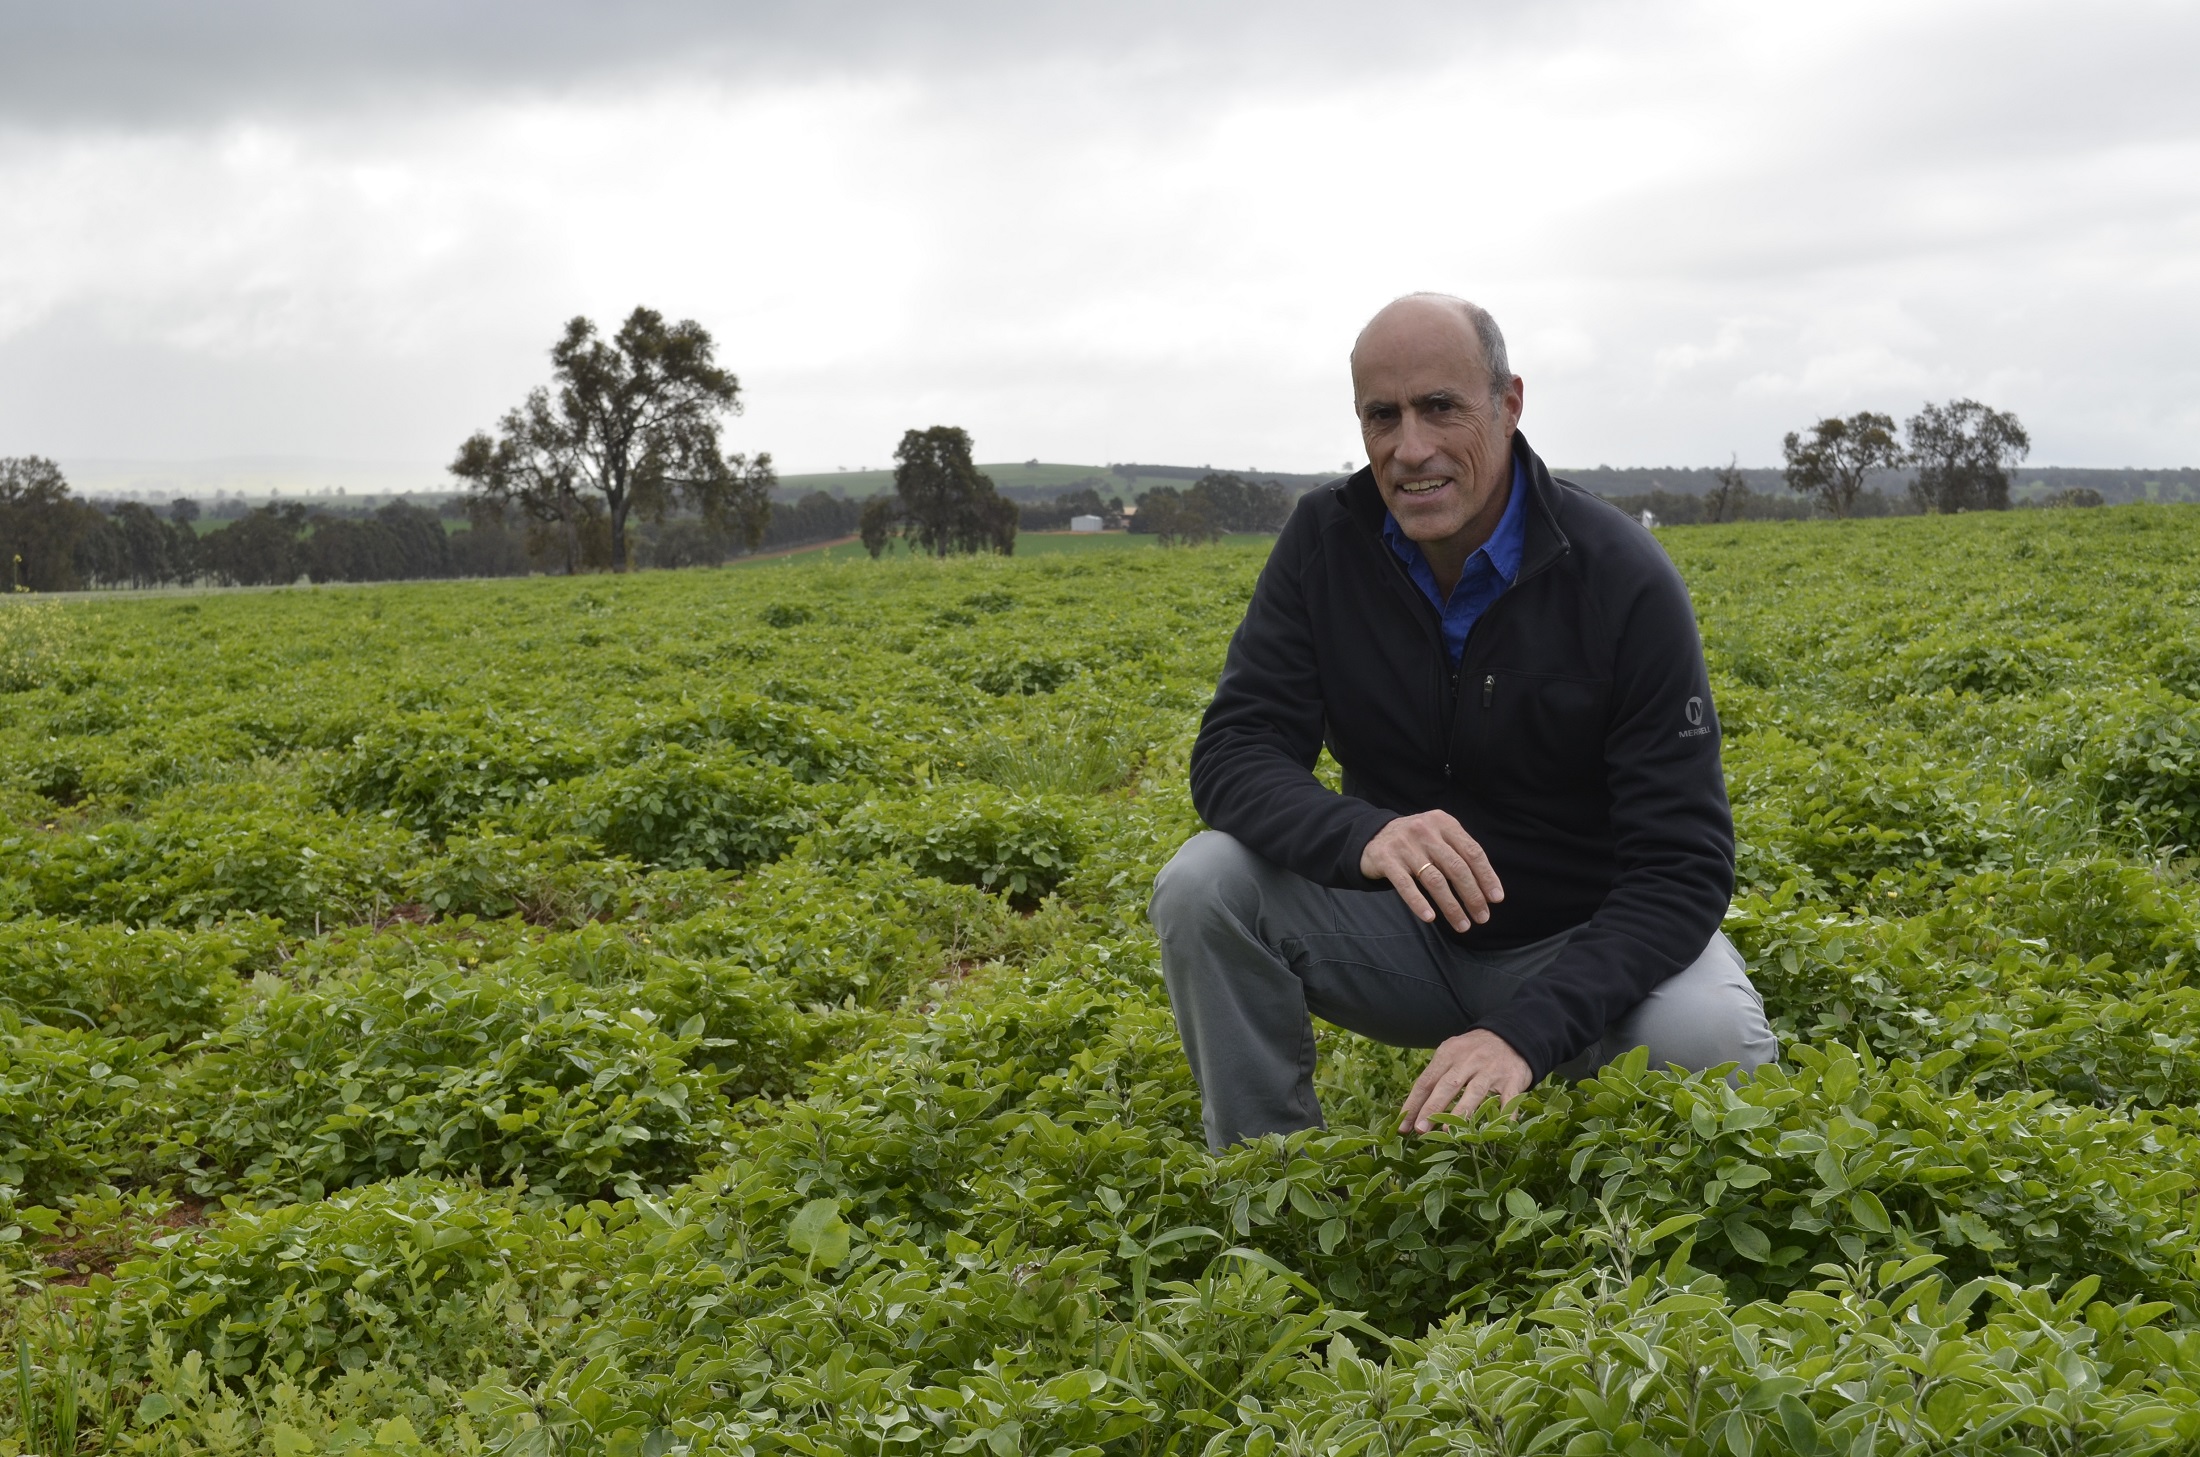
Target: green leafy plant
x,y
192,867
35,637
2149,779
682,810
498,1074
1022,848
167,985
715,1011
74,1109
813,745
440,772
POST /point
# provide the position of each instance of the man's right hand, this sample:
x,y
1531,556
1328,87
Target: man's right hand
x,y
1436,866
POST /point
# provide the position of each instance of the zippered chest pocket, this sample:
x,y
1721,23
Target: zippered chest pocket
x,y
1532,733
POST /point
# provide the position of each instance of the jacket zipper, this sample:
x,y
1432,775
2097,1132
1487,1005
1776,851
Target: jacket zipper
x,y
1489,680
1451,714
1449,671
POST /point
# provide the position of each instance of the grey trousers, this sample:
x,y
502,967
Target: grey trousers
x,y
1249,950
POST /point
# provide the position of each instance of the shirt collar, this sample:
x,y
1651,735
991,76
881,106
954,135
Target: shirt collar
x,y
1507,544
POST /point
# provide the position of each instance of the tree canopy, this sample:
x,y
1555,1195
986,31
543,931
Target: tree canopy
x,y
53,541
631,425
1839,456
1177,517
1215,503
39,526
1963,451
942,502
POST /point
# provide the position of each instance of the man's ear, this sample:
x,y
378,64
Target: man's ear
x,y
1515,400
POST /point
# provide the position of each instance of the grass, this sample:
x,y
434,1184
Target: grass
x,y
1066,753
1028,544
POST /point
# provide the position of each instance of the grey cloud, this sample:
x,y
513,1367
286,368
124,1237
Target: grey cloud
x,y
152,62
1078,229
74,386
1960,80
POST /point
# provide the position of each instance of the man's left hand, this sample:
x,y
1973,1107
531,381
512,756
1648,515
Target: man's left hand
x,y
1465,1071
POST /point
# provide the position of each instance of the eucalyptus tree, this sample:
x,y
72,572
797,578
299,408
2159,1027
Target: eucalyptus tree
x,y
1963,451
1839,456
628,424
1177,517
44,528
944,502
1728,498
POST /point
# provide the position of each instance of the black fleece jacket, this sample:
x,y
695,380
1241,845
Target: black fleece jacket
x,y
1576,741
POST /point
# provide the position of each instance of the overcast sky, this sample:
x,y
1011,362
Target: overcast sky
x,y
1096,232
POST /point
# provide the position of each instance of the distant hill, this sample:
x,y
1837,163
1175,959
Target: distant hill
x,y
1043,480
2130,484
242,482
1036,480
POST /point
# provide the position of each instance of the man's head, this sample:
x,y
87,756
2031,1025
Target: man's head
x,y
1438,403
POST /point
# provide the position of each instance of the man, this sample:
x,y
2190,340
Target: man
x,y
1532,854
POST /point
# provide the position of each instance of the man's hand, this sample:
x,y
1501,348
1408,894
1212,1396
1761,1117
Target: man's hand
x,y
1430,858
1466,1070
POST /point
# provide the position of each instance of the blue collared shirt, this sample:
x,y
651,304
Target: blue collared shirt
x,y
1488,573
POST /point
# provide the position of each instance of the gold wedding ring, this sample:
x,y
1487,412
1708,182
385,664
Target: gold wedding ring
x,y
1425,865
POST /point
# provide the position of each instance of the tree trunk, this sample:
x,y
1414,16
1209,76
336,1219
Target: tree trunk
x,y
618,539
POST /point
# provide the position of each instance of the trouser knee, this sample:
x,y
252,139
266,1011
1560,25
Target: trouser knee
x,y
1710,1015
1707,1016
1210,874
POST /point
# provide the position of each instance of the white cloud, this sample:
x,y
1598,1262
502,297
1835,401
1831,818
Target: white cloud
x,y
1702,224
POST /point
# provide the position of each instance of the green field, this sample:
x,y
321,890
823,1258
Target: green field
x,y
713,1011
1028,544
859,484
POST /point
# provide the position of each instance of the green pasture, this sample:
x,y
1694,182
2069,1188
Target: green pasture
x,y
1028,544
713,1011
863,483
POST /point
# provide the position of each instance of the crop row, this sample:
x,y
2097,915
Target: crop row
x,y
715,1012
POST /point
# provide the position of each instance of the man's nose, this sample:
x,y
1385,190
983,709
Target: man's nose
x,y
1417,443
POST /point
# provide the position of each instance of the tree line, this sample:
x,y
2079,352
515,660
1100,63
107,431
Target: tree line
x,y
57,541
942,504
1215,504
52,540
627,432
1957,457
1961,453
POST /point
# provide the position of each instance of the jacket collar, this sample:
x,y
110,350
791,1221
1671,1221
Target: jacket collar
x,y
1545,541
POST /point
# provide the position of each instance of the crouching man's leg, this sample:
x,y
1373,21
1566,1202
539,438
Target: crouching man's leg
x,y
1706,1015
1249,949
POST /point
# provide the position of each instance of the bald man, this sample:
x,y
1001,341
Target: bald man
x,y
1532,854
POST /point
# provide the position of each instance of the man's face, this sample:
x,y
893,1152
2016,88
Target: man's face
x,y
1439,441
